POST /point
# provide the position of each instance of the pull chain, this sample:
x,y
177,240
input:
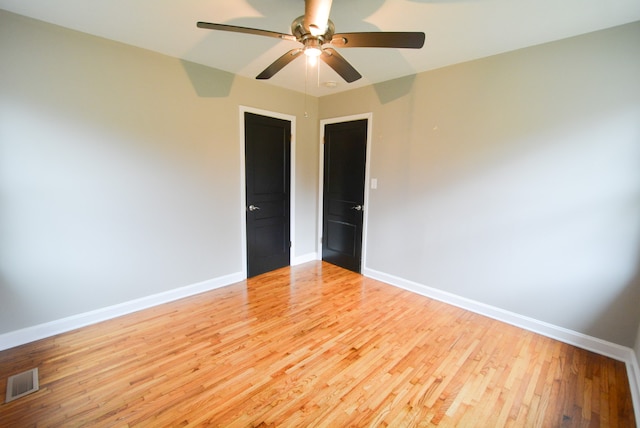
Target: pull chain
x,y
306,77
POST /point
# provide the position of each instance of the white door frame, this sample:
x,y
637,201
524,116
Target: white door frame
x,y
323,122
243,188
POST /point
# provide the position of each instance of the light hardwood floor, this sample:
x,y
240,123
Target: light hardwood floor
x,y
313,345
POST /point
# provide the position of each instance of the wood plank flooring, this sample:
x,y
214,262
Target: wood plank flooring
x,y
313,345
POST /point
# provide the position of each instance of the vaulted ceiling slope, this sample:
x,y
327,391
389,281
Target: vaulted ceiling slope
x,y
456,31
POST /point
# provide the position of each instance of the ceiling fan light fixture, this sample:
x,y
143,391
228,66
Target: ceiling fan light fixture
x,y
312,51
312,47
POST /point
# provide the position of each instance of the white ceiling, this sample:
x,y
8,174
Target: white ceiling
x,y
456,30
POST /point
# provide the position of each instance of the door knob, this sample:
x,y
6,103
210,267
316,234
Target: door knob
x,y
357,207
253,208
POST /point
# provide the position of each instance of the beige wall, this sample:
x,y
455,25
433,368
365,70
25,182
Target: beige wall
x,y
514,180
120,172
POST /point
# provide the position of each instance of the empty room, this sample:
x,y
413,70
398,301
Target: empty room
x,y
313,213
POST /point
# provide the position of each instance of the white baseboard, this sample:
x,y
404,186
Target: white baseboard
x,y
41,331
609,349
305,258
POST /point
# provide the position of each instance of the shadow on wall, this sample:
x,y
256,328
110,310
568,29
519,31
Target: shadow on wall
x,y
621,311
394,89
208,82
10,301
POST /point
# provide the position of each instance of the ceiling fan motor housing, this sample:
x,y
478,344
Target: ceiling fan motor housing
x,y
304,36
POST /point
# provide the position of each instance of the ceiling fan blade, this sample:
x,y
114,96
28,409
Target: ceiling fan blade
x,y
245,30
279,64
397,39
316,16
340,65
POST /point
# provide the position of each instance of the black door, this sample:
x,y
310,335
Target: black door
x,y
267,163
345,148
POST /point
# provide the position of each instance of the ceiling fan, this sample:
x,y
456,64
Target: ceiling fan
x,y
315,31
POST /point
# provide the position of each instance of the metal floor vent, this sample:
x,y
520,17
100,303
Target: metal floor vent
x,y
22,384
